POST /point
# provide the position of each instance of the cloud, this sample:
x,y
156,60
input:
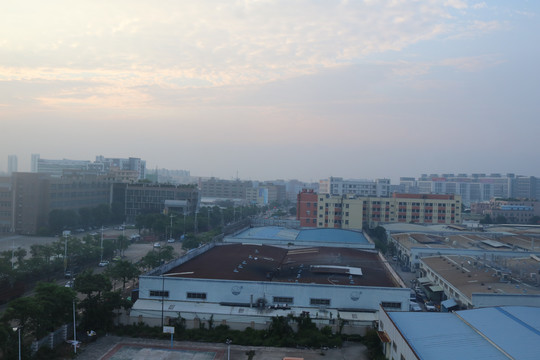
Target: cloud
x,y
127,52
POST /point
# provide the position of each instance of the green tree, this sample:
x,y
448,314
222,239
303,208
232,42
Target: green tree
x,y
500,219
56,302
92,284
25,312
123,270
486,220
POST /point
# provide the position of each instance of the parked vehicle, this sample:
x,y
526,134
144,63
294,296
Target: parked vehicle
x,y
414,306
430,306
157,245
103,263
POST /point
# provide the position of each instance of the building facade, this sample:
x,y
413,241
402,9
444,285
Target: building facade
x,y
339,186
142,198
306,208
224,189
6,205
353,212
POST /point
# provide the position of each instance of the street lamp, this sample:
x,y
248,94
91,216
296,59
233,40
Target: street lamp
x,y
229,341
18,329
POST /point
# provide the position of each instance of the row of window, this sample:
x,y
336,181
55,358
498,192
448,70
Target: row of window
x,y
276,299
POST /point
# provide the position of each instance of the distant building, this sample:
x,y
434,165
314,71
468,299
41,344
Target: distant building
x,y
474,187
225,189
6,205
57,167
353,212
12,164
339,186
101,166
143,198
36,194
306,208
515,211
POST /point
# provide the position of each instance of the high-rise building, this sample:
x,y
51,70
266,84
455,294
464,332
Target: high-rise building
x,y
339,186
12,164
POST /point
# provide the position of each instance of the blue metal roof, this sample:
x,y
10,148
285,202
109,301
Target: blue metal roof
x,y
308,235
515,329
443,336
333,236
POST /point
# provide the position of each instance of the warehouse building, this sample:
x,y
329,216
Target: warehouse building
x,y
246,285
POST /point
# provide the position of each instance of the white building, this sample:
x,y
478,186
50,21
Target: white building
x,y
339,186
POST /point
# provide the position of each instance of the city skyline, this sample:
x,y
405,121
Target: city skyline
x,y
274,90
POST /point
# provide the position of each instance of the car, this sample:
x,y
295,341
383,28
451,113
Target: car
x,y
69,284
68,274
103,263
170,241
414,306
430,306
157,245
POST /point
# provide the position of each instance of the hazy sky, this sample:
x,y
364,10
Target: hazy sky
x,y
274,89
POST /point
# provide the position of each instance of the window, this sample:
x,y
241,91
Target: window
x,y
320,302
191,295
282,299
391,305
159,293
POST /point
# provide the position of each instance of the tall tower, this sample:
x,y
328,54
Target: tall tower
x,y
12,164
34,163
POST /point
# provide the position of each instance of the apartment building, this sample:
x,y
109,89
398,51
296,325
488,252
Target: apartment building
x,y
353,212
475,187
339,186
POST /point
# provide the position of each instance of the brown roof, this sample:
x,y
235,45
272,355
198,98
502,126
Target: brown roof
x,y
269,263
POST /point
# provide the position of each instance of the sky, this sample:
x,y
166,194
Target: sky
x,y
267,90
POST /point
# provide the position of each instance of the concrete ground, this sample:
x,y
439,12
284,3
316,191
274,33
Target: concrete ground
x,y
123,348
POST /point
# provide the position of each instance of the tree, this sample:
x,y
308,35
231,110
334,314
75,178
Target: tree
x,y
123,270
486,220
56,302
500,219
89,283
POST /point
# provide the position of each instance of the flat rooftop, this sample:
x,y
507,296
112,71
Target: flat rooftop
x,y
469,241
470,276
343,266
472,334
312,236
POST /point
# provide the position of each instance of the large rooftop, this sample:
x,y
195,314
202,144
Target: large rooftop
x,y
488,333
341,266
281,235
470,275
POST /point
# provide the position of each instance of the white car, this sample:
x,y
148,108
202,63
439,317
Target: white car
x,y
103,263
170,241
414,306
157,245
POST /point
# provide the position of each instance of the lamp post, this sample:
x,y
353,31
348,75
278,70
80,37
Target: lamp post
x,y
18,329
74,330
229,341
65,251
101,246
171,216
